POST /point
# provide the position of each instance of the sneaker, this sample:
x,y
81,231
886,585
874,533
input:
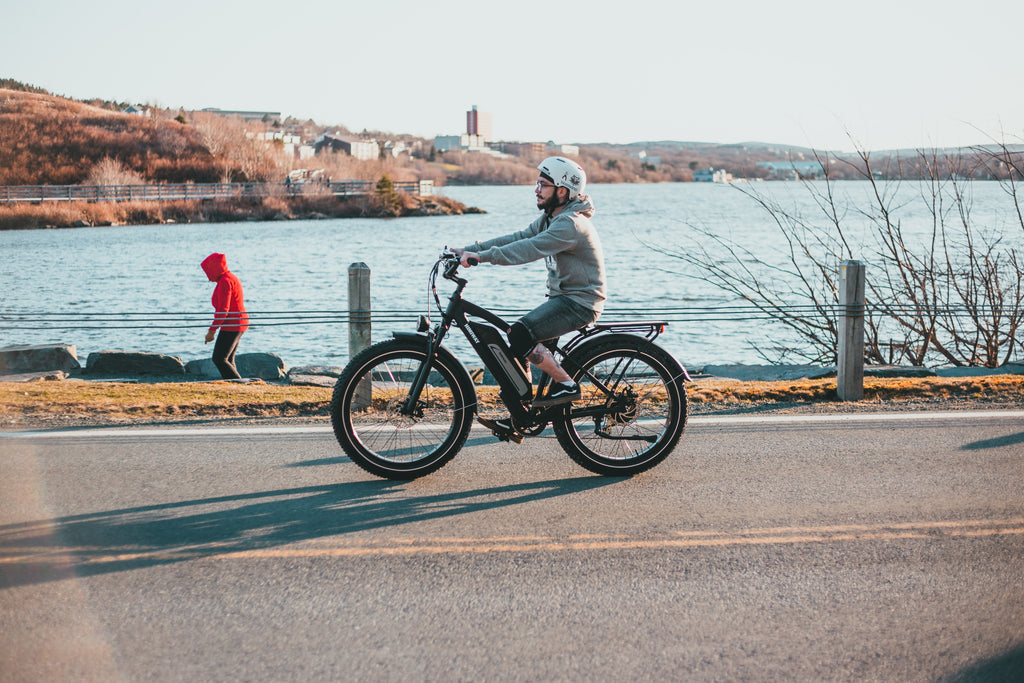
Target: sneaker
x,y
502,429
559,393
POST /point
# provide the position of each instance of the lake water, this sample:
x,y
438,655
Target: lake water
x,y
140,288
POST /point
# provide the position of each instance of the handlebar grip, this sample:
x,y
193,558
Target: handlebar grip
x,y
473,261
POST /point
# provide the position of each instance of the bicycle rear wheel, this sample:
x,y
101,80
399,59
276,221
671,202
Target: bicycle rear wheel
x,y
632,412
366,410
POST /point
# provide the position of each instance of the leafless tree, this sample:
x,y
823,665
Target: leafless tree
x,y
954,297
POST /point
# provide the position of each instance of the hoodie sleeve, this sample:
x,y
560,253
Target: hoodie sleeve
x,y
511,238
221,299
532,244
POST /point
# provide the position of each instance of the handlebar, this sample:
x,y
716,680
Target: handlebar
x,y
452,262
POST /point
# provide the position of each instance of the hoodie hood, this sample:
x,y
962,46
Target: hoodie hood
x,y
581,205
214,266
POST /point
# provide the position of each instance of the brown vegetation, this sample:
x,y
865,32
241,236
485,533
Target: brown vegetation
x,y
47,140
65,403
79,214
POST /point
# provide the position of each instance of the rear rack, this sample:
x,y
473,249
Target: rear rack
x,y
648,329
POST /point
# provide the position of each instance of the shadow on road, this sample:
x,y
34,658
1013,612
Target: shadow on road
x,y
121,540
1008,440
1008,666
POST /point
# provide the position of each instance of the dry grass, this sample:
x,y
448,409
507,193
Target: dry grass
x,y
1005,388
47,402
66,403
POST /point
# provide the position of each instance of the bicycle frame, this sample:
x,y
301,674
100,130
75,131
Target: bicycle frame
x,y
516,392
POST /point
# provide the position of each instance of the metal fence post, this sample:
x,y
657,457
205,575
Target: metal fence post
x,y
359,324
850,365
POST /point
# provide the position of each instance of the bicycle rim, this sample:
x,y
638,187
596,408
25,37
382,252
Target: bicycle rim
x,y
638,423
369,424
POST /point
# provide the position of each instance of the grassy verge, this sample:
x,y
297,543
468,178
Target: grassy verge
x,y
67,403
76,214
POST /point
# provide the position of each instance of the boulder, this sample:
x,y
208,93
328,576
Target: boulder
x,y
202,367
261,365
133,363
315,375
897,371
1008,369
22,358
768,373
328,370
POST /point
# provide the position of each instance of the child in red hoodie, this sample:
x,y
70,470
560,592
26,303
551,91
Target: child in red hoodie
x,y
230,317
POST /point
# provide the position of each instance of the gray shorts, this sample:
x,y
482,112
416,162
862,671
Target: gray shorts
x,y
557,316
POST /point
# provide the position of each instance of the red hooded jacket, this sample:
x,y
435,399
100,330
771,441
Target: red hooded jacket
x,y
228,301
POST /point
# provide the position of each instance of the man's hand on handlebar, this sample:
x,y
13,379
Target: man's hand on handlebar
x,y
466,258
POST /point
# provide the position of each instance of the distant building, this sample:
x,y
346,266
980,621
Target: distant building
x,y
479,123
247,115
464,142
336,142
793,170
290,143
646,160
567,150
135,110
710,175
523,149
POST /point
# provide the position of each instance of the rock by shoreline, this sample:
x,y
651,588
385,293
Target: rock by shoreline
x,y
57,361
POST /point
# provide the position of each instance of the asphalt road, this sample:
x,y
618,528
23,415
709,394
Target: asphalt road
x,y
807,548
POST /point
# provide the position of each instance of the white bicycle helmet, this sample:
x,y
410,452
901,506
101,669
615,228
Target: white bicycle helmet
x,y
565,173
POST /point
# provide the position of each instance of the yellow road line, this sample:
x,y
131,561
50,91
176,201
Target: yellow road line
x,y
338,547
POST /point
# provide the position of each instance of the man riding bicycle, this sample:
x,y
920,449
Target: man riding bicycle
x,y
566,239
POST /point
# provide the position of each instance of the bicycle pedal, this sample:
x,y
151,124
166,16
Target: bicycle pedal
x,y
501,429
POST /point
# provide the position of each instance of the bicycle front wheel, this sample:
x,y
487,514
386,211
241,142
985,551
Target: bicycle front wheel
x,y
632,412
368,421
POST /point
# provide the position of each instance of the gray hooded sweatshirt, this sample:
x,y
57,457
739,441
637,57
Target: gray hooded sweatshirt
x,y
570,247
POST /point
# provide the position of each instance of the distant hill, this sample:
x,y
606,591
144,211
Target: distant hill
x,y
48,139
45,139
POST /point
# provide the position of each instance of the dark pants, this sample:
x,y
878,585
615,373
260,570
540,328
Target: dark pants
x,y
224,353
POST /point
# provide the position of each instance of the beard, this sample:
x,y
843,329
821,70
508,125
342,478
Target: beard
x,y
549,204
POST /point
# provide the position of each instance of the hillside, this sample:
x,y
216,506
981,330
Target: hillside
x,y
46,139
52,140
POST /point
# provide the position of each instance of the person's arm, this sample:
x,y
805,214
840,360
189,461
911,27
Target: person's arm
x,y
481,250
220,306
559,236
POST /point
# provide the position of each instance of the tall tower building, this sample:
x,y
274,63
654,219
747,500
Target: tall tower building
x,y
479,123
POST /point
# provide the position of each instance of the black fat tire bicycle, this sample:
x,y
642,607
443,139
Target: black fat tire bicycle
x,y
403,408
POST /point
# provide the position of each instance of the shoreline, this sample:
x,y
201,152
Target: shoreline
x,y
77,214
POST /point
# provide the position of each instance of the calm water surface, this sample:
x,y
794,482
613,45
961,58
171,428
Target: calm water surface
x,y
302,266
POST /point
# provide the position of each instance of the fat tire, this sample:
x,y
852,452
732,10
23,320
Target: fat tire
x,y
381,440
661,407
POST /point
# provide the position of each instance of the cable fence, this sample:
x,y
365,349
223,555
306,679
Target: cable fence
x,y
70,321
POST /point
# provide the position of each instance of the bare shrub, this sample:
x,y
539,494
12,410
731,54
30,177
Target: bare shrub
x,y
109,171
954,297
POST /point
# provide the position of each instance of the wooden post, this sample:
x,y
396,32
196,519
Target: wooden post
x,y
359,324
850,366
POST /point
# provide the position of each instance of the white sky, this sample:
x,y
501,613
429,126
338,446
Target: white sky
x,y
892,73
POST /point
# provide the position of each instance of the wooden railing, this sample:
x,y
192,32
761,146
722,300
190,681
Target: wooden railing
x,y
188,191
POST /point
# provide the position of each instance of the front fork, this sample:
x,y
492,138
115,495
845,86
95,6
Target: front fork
x,y
419,380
